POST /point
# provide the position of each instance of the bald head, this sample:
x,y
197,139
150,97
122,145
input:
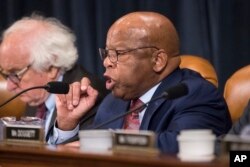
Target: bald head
x,y
145,29
145,44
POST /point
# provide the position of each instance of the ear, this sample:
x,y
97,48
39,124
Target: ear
x,y
160,59
53,72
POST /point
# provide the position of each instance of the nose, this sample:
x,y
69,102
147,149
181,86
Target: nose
x,y
107,63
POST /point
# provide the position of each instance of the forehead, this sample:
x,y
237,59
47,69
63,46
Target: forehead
x,y
13,54
128,35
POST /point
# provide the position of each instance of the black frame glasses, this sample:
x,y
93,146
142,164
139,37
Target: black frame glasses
x,y
113,54
15,77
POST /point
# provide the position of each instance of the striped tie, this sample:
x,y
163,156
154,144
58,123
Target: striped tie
x,y
41,111
132,120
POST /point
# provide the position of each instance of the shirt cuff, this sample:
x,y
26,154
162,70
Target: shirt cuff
x,y
59,136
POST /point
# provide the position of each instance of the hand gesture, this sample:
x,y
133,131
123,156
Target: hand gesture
x,y
72,106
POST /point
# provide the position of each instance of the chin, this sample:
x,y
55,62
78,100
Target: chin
x,y
117,93
29,101
33,104
121,95
25,100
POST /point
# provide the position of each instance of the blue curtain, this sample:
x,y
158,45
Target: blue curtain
x,y
217,30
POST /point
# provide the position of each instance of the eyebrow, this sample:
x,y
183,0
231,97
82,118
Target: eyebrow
x,y
12,70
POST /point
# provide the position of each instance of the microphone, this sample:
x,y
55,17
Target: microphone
x,y
57,87
52,87
169,94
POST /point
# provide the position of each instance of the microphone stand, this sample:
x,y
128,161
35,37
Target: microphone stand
x,y
128,112
51,87
13,97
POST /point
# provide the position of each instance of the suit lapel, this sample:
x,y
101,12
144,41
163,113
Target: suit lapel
x,y
119,108
51,124
53,118
112,108
173,79
151,109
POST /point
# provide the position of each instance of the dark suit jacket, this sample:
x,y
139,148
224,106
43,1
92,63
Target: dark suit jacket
x,y
242,122
76,74
202,108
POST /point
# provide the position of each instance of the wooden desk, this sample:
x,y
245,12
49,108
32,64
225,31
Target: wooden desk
x,y
40,156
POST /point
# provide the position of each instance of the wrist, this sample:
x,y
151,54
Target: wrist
x,y
66,125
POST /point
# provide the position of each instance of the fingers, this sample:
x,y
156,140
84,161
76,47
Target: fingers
x,y
88,100
76,90
85,82
61,105
73,96
72,106
61,100
92,92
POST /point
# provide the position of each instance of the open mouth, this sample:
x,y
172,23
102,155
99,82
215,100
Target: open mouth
x,y
109,83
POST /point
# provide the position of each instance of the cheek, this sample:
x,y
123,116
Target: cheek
x,y
133,71
35,79
35,93
34,97
125,72
32,83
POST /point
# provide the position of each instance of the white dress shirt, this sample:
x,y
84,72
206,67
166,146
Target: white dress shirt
x,y
50,104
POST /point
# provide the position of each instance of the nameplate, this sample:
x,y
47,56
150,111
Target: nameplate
x,y
234,143
23,133
134,142
30,131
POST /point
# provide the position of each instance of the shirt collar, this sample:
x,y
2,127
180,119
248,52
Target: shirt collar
x,y
146,97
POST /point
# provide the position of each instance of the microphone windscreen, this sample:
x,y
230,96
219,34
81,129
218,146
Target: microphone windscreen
x,y
176,91
57,87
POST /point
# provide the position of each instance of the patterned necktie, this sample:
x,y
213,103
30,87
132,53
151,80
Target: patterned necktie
x,y
41,111
132,120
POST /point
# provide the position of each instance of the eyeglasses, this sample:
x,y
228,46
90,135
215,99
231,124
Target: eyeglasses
x,y
113,54
17,76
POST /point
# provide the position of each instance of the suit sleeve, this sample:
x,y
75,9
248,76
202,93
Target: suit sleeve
x,y
202,108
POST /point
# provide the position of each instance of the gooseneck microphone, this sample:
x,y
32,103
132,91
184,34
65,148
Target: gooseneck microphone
x,y
57,87
52,87
169,94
